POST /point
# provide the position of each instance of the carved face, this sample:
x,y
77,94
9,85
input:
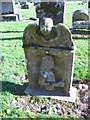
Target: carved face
x,y
46,25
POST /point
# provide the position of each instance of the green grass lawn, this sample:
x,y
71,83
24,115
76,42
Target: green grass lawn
x,y
12,59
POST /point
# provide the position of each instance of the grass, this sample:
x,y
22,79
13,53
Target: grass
x,y
12,59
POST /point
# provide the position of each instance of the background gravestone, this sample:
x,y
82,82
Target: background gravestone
x,y
80,19
8,11
53,10
80,15
22,1
8,7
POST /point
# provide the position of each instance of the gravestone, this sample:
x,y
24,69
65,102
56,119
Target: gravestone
x,y
80,19
8,11
24,6
49,52
8,7
22,1
53,10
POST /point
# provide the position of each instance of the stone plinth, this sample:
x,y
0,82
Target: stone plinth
x,y
59,95
11,17
81,25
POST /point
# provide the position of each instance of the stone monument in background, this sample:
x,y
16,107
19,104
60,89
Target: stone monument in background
x,y
8,11
49,52
53,10
80,19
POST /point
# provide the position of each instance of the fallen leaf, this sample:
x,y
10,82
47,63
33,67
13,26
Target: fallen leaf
x,y
2,72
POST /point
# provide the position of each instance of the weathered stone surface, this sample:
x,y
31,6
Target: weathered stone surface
x,y
59,36
47,77
8,7
53,10
80,15
49,52
80,20
10,17
24,6
81,25
22,1
84,1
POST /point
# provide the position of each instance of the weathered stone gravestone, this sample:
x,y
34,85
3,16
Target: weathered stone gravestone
x,y
53,10
22,1
80,19
24,6
8,11
8,7
49,52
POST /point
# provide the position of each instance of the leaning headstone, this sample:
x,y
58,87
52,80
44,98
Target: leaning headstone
x,y
53,10
49,52
80,19
8,11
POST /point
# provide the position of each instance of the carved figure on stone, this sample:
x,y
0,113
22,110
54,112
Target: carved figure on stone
x,y
47,77
46,34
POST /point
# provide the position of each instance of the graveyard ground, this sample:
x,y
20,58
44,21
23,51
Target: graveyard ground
x,y
13,73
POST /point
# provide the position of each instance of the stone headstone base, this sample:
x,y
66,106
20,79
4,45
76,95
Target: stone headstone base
x,y
56,94
11,17
81,25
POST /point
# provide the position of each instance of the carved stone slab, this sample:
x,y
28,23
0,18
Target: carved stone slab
x,y
50,59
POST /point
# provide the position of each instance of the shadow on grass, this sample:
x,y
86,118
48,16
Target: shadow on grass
x,y
16,38
15,89
80,38
11,31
